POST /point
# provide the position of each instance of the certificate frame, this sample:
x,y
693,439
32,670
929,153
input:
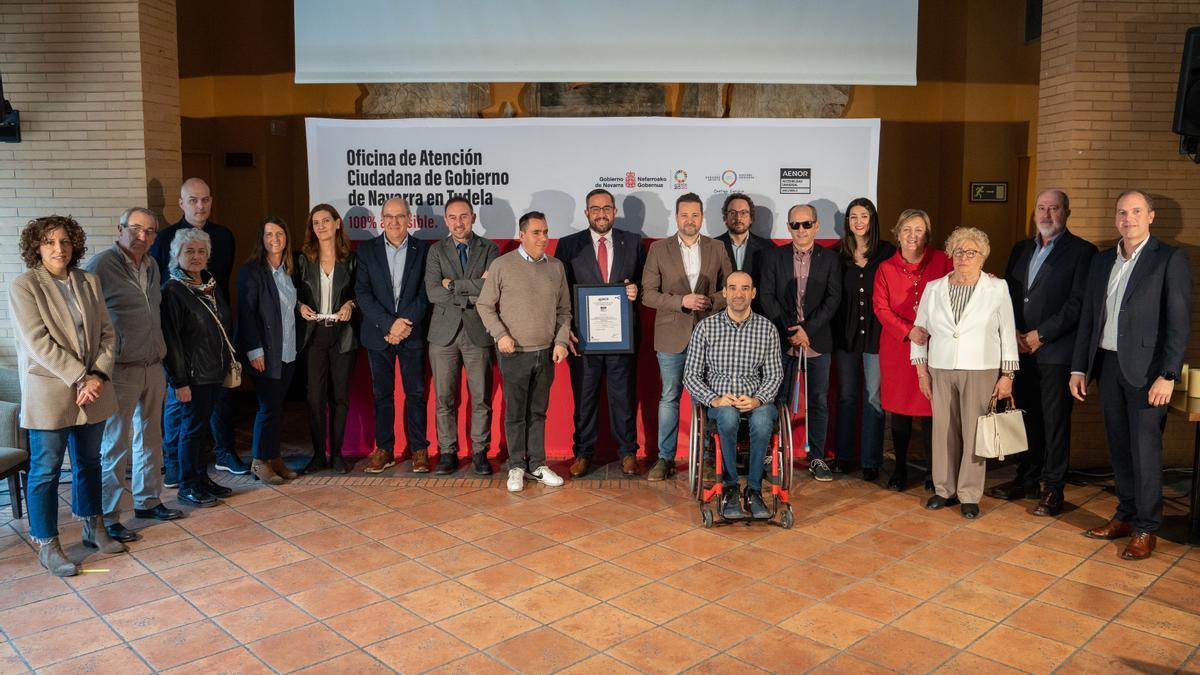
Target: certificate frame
x,y
586,292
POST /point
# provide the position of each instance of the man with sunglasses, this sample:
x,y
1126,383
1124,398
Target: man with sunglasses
x,y
801,290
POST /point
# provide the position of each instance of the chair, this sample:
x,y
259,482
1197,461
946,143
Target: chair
x,y
14,441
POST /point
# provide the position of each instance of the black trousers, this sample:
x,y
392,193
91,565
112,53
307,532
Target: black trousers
x,y
1041,391
329,372
268,421
527,379
1134,429
619,372
902,428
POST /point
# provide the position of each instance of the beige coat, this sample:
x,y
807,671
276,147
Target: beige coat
x,y
664,283
49,356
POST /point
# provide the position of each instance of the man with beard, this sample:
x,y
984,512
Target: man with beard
x,y
1046,277
741,245
602,254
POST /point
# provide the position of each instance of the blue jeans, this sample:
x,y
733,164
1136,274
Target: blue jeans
x,y
190,422
853,368
268,421
762,426
670,370
46,451
220,427
816,425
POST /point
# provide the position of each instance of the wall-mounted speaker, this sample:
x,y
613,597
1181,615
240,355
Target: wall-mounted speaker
x,y
1187,97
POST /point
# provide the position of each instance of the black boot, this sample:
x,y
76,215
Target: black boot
x,y
317,463
337,463
899,479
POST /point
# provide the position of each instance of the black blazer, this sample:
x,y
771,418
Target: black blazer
x,y
1154,319
1051,305
196,349
822,295
579,260
858,286
373,293
755,246
307,278
260,324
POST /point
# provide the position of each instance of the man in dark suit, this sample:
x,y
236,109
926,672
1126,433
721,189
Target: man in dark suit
x,y
741,245
1046,277
801,290
1133,331
602,254
390,291
454,275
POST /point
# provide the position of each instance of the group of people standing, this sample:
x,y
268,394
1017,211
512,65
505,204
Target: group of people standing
x,y
129,364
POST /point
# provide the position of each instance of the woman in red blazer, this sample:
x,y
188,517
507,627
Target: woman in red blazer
x,y
899,284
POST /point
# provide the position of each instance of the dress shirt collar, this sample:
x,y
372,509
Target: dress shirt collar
x,y
525,255
403,244
1137,250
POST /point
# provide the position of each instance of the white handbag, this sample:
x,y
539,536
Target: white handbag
x,y
998,435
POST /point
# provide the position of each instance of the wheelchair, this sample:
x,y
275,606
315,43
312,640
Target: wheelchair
x,y
703,434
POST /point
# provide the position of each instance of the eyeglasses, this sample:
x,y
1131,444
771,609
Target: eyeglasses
x,y
806,224
965,253
742,213
597,210
138,231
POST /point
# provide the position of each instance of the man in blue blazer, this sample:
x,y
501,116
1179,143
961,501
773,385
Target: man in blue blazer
x,y
602,254
390,291
1133,331
1046,276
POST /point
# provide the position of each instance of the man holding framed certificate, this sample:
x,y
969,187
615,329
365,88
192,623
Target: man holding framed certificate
x,y
603,267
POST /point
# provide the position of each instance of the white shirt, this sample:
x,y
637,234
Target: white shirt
x,y
64,287
1118,279
691,261
326,304
608,245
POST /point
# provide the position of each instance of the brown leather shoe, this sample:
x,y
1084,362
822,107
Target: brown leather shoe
x,y
1113,529
629,465
580,467
1051,504
380,460
1140,546
420,462
282,469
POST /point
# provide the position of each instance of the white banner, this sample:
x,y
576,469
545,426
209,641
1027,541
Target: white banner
x,y
509,166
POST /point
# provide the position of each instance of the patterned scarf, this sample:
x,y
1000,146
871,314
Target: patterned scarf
x,y
205,289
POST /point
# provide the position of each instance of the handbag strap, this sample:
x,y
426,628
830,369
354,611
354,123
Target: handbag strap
x,y
1012,404
232,351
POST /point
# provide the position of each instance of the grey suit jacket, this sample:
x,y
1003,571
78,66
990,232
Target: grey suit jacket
x,y
664,283
455,310
50,357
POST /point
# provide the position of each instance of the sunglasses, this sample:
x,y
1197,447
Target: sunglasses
x,y
806,224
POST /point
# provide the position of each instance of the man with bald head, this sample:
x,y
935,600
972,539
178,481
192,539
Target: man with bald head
x,y
196,200
390,291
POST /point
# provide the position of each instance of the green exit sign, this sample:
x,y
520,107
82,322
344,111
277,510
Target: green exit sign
x,y
989,192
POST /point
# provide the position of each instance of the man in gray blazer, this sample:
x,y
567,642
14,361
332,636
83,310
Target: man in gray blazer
x,y
454,274
130,280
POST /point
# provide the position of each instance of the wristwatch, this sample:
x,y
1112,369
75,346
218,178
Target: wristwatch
x,y
1010,375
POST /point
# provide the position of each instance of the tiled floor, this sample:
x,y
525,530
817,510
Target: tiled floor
x,y
370,574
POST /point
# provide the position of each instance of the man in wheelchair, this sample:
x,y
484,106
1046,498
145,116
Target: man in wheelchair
x,y
734,369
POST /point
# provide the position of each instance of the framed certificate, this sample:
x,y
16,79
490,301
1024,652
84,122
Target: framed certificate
x,y
604,315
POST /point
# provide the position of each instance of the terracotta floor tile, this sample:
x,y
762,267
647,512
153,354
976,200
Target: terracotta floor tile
x,y
436,511
851,560
91,575
902,650
654,529
600,664
1164,621
781,651
19,566
886,542
831,625
478,663
474,526
657,602
833,528
362,559
296,524
918,526
259,621
459,560
811,580
700,544
944,624
206,521
1135,647
1041,559
514,543
1025,651
200,574
607,544
573,500
119,659
300,647
487,625
31,589
330,539
544,650
1174,593
549,602
421,541
1055,623
239,538
174,554
946,560
43,615
723,664
793,544
717,626
180,645
419,650
400,578
231,595
766,602
386,525
980,600
557,561
656,562
299,576
912,580
848,664
1085,598
266,509
1063,541
336,598
967,663
152,617
354,662
441,600
374,623
567,526
874,601
268,556
661,651
605,581
610,514
1012,578
1111,577
706,580
238,660
751,562
1186,571
979,543
66,642
503,580
527,512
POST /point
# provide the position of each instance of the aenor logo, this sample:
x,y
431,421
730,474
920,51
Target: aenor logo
x,y
795,181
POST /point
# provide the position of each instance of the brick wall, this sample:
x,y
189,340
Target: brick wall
x,y
98,90
1109,74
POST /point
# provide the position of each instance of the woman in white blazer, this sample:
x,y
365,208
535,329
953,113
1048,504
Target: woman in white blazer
x,y
65,354
968,357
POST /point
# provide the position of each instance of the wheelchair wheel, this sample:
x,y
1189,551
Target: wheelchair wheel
x,y
785,517
695,454
706,517
786,451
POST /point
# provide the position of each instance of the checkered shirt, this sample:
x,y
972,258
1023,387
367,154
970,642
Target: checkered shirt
x,y
735,359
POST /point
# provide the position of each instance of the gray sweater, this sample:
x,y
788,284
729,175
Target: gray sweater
x,y
526,300
134,311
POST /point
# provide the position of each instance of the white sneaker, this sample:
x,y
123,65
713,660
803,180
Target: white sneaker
x,y
547,477
516,480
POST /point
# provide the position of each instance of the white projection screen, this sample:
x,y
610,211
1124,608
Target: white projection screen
x,y
759,41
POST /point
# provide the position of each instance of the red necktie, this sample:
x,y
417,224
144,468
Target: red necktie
x,y
602,258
